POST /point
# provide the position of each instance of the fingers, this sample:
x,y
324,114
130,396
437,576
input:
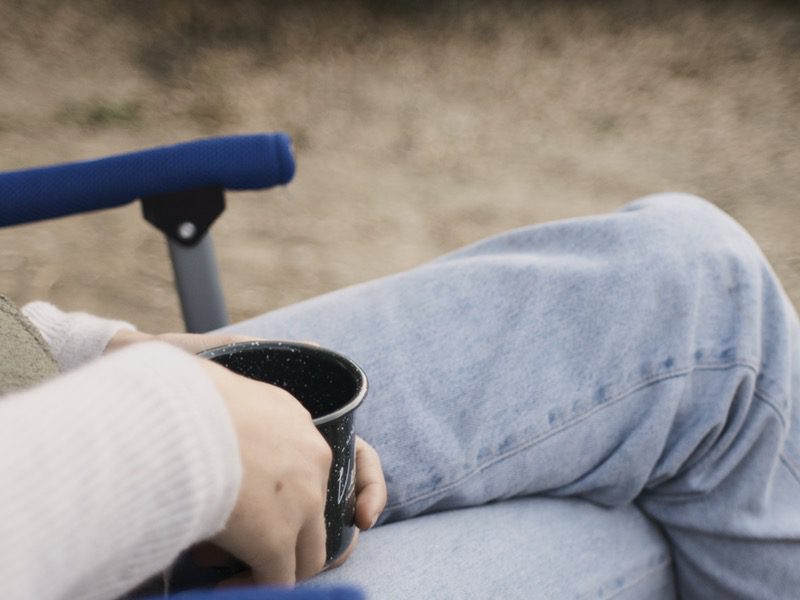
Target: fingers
x,y
370,485
343,558
190,342
277,526
194,342
125,337
277,569
310,552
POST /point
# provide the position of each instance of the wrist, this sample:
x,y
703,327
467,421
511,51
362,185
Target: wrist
x,y
126,337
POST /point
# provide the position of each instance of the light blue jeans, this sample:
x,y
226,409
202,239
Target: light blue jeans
x,y
616,397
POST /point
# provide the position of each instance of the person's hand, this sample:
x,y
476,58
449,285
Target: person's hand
x,y
370,493
191,342
277,526
370,485
370,501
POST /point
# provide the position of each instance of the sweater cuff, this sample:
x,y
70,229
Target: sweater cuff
x,y
117,467
74,338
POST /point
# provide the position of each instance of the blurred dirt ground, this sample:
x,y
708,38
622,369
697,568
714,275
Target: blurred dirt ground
x,y
419,127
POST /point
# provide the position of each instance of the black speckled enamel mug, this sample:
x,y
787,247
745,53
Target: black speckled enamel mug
x,y
330,387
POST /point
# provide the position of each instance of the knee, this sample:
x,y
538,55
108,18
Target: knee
x,y
685,216
688,232
699,263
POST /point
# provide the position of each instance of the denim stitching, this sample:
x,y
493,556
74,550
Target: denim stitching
x,y
644,383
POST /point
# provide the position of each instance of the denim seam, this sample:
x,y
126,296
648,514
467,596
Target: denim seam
x,y
647,574
644,383
791,467
759,395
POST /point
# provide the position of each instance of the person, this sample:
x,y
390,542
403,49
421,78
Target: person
x,y
604,406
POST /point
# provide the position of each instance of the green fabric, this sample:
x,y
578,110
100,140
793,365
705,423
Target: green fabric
x,y
25,358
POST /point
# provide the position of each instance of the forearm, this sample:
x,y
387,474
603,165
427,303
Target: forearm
x,y
74,338
110,471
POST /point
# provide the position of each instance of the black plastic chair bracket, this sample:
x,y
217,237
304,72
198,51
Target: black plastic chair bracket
x,y
185,217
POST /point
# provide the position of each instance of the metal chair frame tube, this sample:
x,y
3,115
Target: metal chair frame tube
x,y
198,284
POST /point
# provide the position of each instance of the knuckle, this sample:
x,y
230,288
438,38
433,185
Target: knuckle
x,y
305,412
315,496
324,452
291,402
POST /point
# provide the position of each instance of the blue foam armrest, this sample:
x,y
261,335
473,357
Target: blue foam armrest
x,y
255,593
241,162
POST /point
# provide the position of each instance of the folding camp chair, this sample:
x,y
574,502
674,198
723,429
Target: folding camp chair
x,y
182,190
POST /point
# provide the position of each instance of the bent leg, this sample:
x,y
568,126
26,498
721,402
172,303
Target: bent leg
x,y
647,355
516,550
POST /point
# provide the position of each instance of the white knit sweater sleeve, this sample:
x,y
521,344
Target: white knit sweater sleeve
x,y
110,470
74,338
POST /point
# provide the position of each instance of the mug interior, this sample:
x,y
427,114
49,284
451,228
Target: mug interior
x,y
326,383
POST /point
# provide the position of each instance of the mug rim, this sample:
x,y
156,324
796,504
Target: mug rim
x,y
349,364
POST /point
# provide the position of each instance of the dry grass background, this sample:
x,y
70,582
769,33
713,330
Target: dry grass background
x,y
419,127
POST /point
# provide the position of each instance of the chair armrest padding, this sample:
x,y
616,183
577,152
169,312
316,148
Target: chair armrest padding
x,y
243,162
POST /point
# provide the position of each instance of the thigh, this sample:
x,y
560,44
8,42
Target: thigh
x,y
646,355
527,362
526,549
